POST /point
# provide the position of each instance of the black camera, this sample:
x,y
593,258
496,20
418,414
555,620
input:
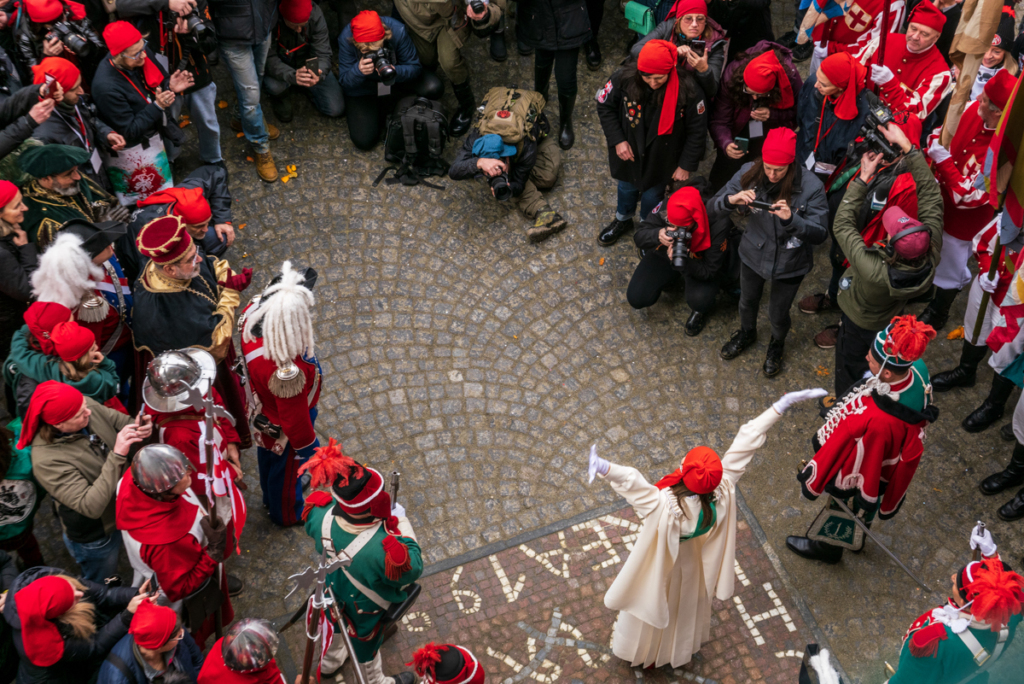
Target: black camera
x,y
383,66
870,139
74,41
194,24
499,185
680,245
478,6
698,46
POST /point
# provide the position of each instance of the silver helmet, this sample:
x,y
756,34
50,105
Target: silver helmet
x,y
249,644
156,468
172,374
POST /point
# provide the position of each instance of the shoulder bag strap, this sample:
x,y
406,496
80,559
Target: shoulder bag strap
x,y
120,665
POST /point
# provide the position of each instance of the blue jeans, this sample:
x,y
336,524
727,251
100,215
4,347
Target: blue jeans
x,y
202,105
246,64
629,195
279,480
326,94
98,559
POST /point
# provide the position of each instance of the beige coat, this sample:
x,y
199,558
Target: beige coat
x,y
663,592
75,474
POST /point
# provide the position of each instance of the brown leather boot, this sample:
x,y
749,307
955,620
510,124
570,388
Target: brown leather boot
x,y
265,167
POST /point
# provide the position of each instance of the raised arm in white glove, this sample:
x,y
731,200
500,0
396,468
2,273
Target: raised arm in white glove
x,y
881,74
937,152
820,52
790,398
598,466
986,284
982,539
398,510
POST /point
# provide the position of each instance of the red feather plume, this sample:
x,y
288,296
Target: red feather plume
x,y
327,465
908,338
426,659
997,594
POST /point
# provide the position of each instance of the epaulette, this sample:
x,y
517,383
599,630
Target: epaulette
x,y
924,643
397,560
315,500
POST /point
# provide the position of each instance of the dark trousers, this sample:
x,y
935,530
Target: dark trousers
x,y
655,273
366,113
27,547
725,167
852,348
279,480
835,252
779,301
595,10
564,64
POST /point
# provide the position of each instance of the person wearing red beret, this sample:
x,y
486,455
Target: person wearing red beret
x,y
914,76
967,208
651,99
709,263
685,554
300,37
778,242
18,260
36,38
156,649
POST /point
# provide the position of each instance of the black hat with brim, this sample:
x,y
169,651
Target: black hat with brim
x,y
96,237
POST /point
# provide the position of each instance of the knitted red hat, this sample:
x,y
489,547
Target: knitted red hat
x,y
8,191
72,341
42,318
1000,87
660,57
927,14
367,27
296,11
53,402
188,203
119,36
66,73
153,625
779,147
685,208
38,605
763,73
45,11
684,7
164,240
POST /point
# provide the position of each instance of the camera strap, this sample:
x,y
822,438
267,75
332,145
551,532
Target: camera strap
x,y
821,119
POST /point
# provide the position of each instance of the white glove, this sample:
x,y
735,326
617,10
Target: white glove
x,y
820,52
937,152
598,466
986,284
881,74
398,510
982,539
790,398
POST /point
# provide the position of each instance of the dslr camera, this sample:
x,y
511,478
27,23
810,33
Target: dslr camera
x,y
382,65
681,238
869,138
194,23
479,7
499,184
65,33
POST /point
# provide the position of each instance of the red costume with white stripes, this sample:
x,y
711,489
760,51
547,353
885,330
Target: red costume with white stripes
x,y
858,29
921,81
967,208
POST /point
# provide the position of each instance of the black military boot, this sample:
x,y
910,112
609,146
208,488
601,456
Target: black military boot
x,y
1012,509
611,233
740,340
1012,476
499,52
463,117
592,52
524,49
773,360
963,375
695,323
992,408
566,136
814,550
937,312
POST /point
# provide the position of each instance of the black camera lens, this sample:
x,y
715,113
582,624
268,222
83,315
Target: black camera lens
x,y
382,65
478,6
76,43
502,190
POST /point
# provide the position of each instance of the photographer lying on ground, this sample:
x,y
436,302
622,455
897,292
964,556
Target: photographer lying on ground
x,y
513,148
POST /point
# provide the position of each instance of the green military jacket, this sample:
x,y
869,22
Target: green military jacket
x,y
368,570
48,211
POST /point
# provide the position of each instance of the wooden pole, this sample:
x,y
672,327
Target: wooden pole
x,y
307,657
997,255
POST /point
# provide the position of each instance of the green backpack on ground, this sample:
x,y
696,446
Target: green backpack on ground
x,y
510,113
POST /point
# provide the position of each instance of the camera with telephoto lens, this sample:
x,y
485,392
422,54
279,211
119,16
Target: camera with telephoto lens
x,y
194,24
74,41
680,245
479,7
870,138
499,185
382,65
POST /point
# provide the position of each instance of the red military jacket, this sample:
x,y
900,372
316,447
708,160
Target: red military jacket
x,y
291,413
859,27
921,80
967,209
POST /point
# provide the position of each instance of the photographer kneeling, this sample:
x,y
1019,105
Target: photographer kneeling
x,y
519,171
377,66
679,243
301,60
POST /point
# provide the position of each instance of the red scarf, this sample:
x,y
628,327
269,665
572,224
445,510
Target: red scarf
x,y
660,57
150,521
216,672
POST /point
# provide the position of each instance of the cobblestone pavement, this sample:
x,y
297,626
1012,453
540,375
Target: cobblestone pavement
x,y
483,367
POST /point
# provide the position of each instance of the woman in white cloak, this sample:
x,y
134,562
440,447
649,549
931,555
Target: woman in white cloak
x,y
686,550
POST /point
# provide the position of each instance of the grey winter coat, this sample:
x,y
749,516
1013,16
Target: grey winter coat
x,y
768,247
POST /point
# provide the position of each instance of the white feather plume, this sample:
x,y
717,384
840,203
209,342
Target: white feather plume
x,y
823,666
65,272
285,317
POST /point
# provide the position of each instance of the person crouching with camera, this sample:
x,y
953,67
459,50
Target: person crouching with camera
x,y
377,65
678,243
301,60
518,171
788,214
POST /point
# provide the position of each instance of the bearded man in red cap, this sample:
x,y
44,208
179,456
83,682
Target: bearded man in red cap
x,y
447,664
300,39
156,648
707,260
690,516
185,299
356,517
915,78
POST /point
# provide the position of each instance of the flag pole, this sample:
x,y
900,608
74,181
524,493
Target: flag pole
x,y
883,34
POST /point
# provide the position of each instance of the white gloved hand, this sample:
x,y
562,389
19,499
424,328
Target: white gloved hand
x,y
790,398
986,284
820,52
982,539
881,74
398,510
937,152
598,466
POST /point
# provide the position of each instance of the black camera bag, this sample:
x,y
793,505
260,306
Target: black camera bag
x,y
417,133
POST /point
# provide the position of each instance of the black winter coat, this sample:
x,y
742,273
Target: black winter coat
x,y
464,167
63,128
127,107
146,15
553,24
655,157
16,126
81,658
16,267
705,265
244,21
747,22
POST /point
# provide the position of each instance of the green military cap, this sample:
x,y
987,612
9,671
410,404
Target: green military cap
x,y
49,160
